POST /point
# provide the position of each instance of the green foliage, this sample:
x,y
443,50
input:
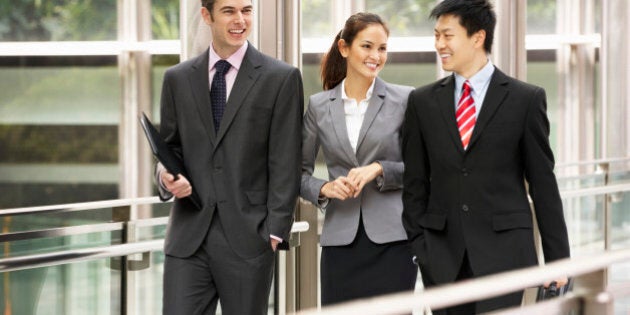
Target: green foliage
x,y
58,144
28,20
404,17
165,19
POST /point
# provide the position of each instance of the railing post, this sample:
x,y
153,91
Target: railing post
x,y
307,259
597,300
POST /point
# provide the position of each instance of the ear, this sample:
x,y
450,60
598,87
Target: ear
x,y
480,38
343,48
206,15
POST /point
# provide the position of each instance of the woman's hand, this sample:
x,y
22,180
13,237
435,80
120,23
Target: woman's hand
x,y
340,188
360,176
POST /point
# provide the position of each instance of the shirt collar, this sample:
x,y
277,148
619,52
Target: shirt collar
x,y
235,59
479,79
368,94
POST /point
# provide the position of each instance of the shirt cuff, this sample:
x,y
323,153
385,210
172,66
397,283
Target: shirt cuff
x,y
279,239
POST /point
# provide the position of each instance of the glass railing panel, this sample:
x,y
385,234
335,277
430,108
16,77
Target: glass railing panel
x,y
146,287
91,287
585,223
55,244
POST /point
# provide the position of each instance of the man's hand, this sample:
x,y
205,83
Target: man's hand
x,y
180,188
274,244
360,176
559,282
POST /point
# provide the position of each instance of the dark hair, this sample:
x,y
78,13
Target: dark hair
x,y
474,15
333,67
209,5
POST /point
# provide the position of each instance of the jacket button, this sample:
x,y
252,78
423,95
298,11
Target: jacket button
x,y
464,171
465,207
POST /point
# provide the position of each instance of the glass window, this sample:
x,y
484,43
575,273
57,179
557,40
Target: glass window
x,y
165,19
58,20
543,73
58,130
541,17
404,17
317,18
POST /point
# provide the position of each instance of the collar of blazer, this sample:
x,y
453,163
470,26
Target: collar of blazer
x,y
245,79
338,116
497,91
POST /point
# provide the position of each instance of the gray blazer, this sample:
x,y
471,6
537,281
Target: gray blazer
x,y
380,202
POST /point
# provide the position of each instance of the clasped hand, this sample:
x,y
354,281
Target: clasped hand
x,y
350,186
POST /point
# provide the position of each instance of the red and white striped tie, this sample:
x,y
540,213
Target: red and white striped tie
x,y
465,114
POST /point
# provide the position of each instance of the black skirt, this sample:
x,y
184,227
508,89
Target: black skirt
x,y
364,269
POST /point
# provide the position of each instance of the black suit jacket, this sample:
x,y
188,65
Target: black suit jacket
x,y
249,171
476,201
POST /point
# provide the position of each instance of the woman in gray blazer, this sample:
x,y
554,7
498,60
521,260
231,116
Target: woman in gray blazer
x,y
356,121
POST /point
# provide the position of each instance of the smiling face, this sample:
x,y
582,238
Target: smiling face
x,y
459,52
230,22
367,54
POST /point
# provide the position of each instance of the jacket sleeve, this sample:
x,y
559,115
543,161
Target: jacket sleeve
x,y
543,187
284,155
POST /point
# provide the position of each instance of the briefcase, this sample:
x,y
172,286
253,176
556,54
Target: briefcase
x,y
553,290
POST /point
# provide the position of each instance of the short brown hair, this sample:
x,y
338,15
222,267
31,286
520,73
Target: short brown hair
x,y
208,4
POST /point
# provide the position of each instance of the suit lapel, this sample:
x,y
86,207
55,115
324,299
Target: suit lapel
x,y
338,115
446,99
374,106
200,87
497,90
245,79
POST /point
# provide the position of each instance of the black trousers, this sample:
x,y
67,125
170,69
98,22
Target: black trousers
x,y
364,269
483,306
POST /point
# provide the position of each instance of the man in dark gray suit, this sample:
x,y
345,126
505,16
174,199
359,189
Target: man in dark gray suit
x,y
239,139
474,145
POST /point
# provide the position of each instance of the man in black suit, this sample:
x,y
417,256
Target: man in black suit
x,y
234,117
474,143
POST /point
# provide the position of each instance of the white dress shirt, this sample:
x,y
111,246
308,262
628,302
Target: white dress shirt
x,y
355,113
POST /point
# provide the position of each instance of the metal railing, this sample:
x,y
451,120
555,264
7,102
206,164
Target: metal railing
x,y
297,271
589,295
126,253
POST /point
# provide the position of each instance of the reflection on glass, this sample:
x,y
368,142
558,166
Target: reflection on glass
x,y
165,19
404,17
58,130
58,20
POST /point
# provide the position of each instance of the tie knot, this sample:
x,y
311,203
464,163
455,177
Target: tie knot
x,y
222,67
466,86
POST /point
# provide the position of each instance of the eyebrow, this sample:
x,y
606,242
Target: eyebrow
x,y
233,8
442,30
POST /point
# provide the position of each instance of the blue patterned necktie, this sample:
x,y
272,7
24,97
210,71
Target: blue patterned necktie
x,y
218,92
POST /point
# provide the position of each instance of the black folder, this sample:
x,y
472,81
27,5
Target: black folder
x,y
166,156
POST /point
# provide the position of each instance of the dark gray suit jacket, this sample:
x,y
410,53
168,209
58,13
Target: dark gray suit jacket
x,y
476,201
379,141
248,172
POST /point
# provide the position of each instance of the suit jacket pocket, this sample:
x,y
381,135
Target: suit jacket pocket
x,y
503,222
256,197
433,221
